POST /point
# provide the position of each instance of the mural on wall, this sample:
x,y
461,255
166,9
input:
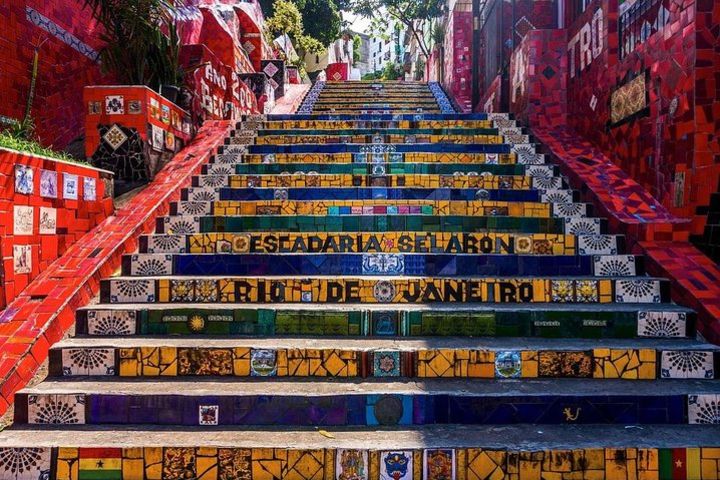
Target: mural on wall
x,y
628,100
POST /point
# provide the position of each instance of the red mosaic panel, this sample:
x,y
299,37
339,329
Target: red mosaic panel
x,y
44,311
140,107
337,72
48,221
457,64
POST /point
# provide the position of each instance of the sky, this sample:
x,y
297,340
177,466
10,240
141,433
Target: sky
x,y
357,23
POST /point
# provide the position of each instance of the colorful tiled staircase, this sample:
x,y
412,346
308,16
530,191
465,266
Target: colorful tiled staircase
x,y
376,290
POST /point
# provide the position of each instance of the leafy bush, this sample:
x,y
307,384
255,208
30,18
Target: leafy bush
x,y
15,142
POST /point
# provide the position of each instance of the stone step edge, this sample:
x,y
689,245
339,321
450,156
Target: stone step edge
x,y
517,438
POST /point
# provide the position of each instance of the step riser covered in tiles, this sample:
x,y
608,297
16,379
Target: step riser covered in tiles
x,y
386,290
364,409
391,242
481,321
447,265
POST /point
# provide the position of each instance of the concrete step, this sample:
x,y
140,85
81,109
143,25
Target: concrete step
x,y
367,196
225,156
186,225
384,289
335,180
367,403
336,130
388,264
638,359
554,320
379,124
389,117
330,207
379,242
536,171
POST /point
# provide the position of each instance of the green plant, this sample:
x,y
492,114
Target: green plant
x,y
438,34
419,69
321,18
9,139
392,71
357,45
136,48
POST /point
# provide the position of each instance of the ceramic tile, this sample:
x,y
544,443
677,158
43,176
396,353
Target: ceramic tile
x,y
397,464
151,265
56,409
508,364
24,180
70,186
386,364
111,322
89,189
637,291
351,464
614,265
23,220
88,361
28,463
263,363
22,259
131,291
208,414
687,364
114,105
704,409
439,464
597,245
661,324
48,221
48,184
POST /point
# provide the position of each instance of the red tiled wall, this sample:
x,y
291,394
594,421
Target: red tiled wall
x,y
654,147
63,70
74,217
457,63
139,121
490,99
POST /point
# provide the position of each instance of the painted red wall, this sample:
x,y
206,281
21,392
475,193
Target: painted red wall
x,y
74,215
66,64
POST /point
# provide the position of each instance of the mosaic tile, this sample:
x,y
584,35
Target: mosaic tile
x,y
166,244
88,361
208,414
23,220
48,221
56,409
181,225
582,226
89,189
637,291
687,364
130,291
48,184
704,409
351,464
111,322
396,465
70,186
661,324
25,463
439,464
114,105
386,364
150,265
508,364
24,179
614,265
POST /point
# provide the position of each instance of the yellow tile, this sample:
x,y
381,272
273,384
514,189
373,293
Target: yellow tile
x,y
153,463
133,468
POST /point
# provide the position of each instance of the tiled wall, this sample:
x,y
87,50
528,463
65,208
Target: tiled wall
x,y
65,35
458,58
651,110
121,121
45,206
155,463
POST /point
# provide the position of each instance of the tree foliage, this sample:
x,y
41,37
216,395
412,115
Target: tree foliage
x,y
321,18
414,15
140,39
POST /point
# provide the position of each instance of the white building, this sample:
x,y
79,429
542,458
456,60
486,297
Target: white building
x,y
387,48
